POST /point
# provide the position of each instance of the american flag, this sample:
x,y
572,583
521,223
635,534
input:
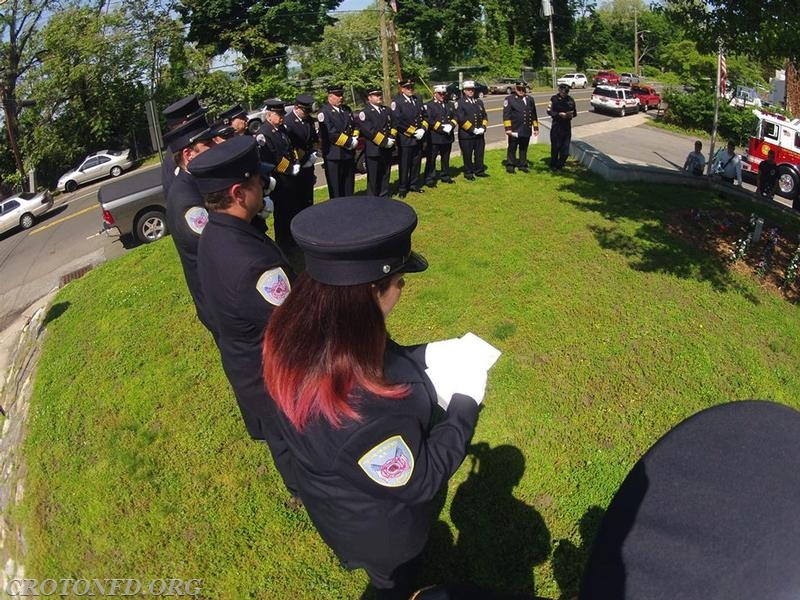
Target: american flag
x,y
723,73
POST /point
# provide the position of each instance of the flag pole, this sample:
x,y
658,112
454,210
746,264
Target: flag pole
x,y
716,108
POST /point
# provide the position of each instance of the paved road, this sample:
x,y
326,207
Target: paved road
x,y
32,262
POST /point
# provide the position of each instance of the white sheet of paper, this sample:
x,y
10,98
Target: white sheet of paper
x,y
460,365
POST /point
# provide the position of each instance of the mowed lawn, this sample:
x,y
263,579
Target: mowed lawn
x,y
612,331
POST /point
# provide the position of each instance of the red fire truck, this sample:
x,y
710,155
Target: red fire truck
x,y
781,134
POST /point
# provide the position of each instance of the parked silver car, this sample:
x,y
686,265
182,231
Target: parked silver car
x,y
23,209
97,165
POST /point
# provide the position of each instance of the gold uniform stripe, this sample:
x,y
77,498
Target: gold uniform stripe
x,y
342,139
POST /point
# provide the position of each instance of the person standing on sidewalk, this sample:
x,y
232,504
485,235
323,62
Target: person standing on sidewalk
x,y
767,176
472,123
728,165
519,118
695,162
562,110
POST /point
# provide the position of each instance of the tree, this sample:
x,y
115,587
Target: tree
x,y
20,21
260,30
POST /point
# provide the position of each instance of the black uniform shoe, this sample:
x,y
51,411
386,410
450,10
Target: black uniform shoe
x,y
448,180
431,184
524,169
481,174
401,194
416,190
510,169
469,176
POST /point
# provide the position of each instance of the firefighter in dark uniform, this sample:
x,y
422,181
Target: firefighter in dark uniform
x,y
379,139
305,141
408,118
277,149
338,138
372,453
177,114
186,214
245,276
472,123
235,117
519,116
562,110
442,124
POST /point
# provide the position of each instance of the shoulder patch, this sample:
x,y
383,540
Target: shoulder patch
x,y
196,218
321,117
505,102
455,104
274,286
393,105
362,116
390,463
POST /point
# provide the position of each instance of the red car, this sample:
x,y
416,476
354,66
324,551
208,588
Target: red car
x,y
610,77
647,95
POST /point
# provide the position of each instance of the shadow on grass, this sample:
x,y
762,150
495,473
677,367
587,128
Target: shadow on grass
x,y
500,538
56,310
652,248
569,559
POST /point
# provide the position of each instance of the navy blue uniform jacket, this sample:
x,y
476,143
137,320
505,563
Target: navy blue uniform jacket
x,y
380,513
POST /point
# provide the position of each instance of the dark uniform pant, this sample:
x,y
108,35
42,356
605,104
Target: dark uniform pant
x,y
434,150
560,136
472,151
378,168
284,199
410,161
340,175
514,144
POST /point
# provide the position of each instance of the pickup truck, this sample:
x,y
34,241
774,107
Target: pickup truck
x,y
135,205
647,95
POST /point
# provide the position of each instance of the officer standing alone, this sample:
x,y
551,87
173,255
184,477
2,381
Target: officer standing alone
x,y
562,110
519,117
245,276
379,139
339,138
442,123
409,121
472,123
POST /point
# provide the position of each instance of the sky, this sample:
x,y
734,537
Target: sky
x,y
354,4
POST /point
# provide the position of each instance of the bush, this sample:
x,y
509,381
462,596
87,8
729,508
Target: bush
x,y
696,111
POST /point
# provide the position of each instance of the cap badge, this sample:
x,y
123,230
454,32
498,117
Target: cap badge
x,y
196,218
274,286
390,463
386,268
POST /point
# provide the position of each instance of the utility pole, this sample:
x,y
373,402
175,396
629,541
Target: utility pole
x,y
635,43
387,89
547,11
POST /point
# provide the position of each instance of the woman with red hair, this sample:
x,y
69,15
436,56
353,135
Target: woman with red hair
x,y
357,410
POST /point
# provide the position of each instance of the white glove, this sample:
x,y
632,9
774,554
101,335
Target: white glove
x,y
447,128
389,142
514,134
353,143
479,131
269,188
295,169
312,158
269,206
419,133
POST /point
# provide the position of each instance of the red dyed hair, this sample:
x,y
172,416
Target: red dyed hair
x,y
322,345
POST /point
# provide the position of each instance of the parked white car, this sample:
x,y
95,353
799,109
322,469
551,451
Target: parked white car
x,y
23,209
574,80
620,100
97,165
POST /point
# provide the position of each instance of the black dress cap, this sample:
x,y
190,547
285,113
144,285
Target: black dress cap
x,y
191,131
304,101
233,112
357,239
375,91
709,512
278,106
406,83
225,164
182,110
337,89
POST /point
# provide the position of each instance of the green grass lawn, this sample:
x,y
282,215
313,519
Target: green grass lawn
x,y
612,331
